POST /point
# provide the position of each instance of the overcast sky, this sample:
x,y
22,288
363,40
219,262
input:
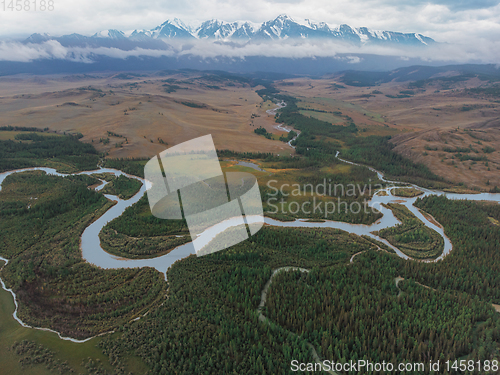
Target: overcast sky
x,y
443,20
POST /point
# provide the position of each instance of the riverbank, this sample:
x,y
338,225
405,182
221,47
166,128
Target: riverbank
x,y
93,252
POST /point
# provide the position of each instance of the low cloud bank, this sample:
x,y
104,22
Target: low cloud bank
x,y
473,51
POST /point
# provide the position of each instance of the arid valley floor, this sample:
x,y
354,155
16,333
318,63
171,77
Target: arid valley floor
x,y
140,113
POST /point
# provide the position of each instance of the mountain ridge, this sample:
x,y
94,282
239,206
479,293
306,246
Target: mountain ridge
x,y
282,27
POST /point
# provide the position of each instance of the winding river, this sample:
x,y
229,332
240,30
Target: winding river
x,y
93,253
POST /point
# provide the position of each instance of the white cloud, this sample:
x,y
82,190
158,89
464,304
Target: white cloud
x,y
444,20
463,53
470,29
14,51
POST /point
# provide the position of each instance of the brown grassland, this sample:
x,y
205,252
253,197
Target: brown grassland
x,y
142,116
438,116
141,111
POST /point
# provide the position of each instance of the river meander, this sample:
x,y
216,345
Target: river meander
x,y
93,253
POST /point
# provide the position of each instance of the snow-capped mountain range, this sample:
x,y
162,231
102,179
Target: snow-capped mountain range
x,y
281,28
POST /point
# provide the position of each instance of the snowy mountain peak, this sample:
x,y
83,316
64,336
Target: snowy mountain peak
x,y
180,24
112,33
281,28
323,26
283,17
220,30
171,29
213,29
141,35
38,38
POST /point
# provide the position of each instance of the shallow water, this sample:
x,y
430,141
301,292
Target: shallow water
x,y
250,165
93,253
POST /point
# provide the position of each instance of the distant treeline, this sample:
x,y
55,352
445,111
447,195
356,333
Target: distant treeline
x,y
65,149
378,152
133,166
264,132
246,155
22,129
490,91
315,141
